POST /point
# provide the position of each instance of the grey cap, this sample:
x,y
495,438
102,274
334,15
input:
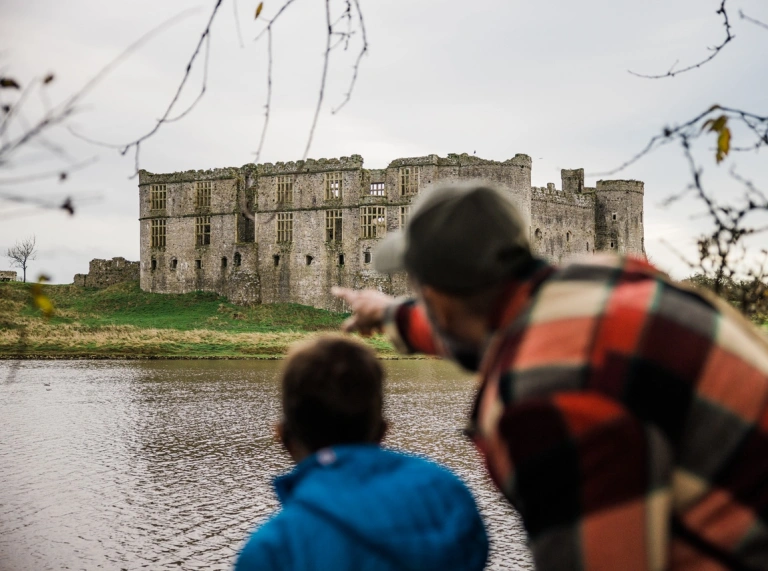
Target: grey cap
x,y
459,237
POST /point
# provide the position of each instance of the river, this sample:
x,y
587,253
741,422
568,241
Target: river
x,y
167,464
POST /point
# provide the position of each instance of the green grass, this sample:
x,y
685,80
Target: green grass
x,y
123,321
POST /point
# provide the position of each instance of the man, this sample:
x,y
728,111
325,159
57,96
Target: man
x,y
350,505
624,416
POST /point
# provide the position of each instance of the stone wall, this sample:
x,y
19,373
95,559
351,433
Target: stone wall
x,y
104,273
8,276
245,261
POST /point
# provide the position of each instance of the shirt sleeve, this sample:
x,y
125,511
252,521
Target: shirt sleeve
x,y
408,328
592,482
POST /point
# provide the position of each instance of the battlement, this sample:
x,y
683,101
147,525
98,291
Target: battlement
x,y
621,185
550,194
146,177
353,162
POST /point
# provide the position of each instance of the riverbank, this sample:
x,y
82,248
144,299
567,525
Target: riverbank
x,y
123,322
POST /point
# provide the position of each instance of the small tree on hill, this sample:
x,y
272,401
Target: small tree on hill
x,y
21,254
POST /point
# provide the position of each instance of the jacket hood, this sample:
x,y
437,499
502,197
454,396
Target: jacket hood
x,y
407,510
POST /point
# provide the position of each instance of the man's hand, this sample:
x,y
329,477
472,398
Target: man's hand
x,y
368,308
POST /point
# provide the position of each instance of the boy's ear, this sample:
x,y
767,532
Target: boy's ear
x,y
381,432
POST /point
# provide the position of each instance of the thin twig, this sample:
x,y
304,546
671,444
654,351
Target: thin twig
x,y
326,59
753,20
715,50
360,55
268,106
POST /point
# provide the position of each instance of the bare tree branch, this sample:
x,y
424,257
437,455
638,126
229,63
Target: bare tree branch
x,y
268,106
752,20
356,68
715,50
323,79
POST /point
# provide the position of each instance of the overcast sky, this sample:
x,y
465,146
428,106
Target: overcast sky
x,y
548,78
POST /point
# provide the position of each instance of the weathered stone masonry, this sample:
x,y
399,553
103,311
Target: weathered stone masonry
x,y
104,273
318,221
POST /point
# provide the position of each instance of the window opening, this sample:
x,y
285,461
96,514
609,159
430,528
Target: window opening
x,y
309,259
614,216
373,221
567,236
341,259
587,246
174,263
409,180
367,257
537,233
276,259
405,212
238,259
611,244
157,239
285,189
199,264
157,196
203,230
377,189
284,227
333,225
224,262
153,265
203,194
333,185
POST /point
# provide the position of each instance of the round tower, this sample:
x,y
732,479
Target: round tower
x,y
619,216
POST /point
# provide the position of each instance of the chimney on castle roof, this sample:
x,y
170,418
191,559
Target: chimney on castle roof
x,y
573,180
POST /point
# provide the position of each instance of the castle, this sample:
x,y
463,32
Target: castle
x,y
317,222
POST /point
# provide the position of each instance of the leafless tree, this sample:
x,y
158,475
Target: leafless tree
x,y
21,253
727,261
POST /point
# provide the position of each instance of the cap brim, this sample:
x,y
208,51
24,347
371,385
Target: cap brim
x,y
389,255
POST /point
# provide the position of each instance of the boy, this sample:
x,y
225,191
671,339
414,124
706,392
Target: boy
x,y
350,504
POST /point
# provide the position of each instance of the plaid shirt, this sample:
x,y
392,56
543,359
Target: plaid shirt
x,y
624,416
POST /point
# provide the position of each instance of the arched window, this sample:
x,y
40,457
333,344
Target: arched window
x,y
537,233
309,259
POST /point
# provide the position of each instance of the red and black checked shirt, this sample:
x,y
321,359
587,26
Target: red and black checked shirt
x,y
625,417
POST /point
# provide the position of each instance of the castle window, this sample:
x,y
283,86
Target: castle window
x,y
276,260
587,246
537,233
611,244
333,186
153,265
203,230
405,211
157,196
373,221
367,257
285,189
309,260
157,233
641,218
238,259
199,264
174,263
567,236
333,225
614,216
341,259
203,194
409,180
284,227
377,189
224,262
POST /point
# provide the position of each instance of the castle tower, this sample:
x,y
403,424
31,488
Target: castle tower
x,y
619,216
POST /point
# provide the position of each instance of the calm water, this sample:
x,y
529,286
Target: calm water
x,y
167,465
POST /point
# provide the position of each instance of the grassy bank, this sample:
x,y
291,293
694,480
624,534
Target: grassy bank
x,y
123,322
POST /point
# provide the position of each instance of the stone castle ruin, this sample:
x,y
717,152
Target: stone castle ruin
x,y
104,273
8,276
317,222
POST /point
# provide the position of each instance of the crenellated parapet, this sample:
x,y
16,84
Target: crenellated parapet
x,y
227,173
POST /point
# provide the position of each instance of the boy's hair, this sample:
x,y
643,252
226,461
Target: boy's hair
x,y
332,393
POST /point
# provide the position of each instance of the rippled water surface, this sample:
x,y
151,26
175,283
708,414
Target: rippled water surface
x,y
168,464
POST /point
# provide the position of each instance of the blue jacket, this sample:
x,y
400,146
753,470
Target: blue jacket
x,y
366,508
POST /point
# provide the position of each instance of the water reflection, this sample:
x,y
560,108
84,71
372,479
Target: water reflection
x,y
167,464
